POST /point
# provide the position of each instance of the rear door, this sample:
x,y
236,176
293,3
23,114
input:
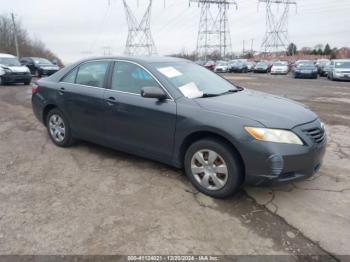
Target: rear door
x,y
82,91
136,124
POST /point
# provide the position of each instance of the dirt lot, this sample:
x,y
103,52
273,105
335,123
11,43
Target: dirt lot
x,y
92,200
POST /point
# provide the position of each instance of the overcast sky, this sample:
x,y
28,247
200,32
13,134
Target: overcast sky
x,y
71,28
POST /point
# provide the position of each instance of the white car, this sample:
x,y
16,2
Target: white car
x,y
280,68
11,71
221,67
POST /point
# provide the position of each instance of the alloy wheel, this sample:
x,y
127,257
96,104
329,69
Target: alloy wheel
x,y
57,128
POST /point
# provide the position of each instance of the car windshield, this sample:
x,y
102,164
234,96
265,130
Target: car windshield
x,y
42,61
194,81
9,61
279,64
306,64
261,64
222,64
342,64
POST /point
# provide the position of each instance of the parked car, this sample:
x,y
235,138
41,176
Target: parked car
x,y
280,68
238,66
339,69
322,66
200,62
221,67
250,66
305,69
11,70
210,65
176,112
261,67
39,66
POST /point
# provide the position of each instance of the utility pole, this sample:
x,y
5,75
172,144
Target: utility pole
x,y
107,51
276,36
243,47
251,46
15,33
140,40
214,30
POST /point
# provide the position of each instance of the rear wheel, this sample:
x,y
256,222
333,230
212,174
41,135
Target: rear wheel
x,y
213,168
59,129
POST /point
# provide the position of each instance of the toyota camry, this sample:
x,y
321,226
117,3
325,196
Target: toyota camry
x,y
176,112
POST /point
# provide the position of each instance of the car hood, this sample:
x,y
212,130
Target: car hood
x,y
271,111
261,66
16,69
47,66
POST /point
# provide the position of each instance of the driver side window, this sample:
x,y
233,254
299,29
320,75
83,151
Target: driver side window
x,y
131,78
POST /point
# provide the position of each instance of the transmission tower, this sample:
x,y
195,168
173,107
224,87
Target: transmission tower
x,y
276,36
139,41
214,31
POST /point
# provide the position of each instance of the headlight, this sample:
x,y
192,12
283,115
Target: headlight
x,y
274,135
2,71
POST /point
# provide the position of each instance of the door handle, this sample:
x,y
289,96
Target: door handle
x,y
111,100
61,91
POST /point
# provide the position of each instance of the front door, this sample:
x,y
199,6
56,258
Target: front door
x,y
136,124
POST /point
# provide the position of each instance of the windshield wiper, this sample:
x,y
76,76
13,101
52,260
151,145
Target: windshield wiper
x,y
230,91
210,95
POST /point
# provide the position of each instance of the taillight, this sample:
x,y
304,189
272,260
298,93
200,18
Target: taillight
x,y
35,88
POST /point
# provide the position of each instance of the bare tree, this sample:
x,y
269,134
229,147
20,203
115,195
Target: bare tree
x,y
28,47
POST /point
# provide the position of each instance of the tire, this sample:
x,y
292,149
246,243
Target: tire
x,y
27,83
1,82
225,184
58,128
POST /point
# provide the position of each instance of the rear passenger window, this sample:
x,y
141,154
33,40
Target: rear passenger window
x,y
92,74
70,78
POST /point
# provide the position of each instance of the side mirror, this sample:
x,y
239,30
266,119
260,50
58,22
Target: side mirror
x,y
153,92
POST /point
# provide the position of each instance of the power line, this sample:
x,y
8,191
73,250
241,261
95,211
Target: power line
x,y
214,32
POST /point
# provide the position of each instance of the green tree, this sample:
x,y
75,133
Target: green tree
x,y
292,49
327,50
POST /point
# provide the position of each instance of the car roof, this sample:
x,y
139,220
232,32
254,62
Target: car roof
x,y
6,55
341,60
140,59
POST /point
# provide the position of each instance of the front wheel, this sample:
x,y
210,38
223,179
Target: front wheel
x,y
213,168
59,129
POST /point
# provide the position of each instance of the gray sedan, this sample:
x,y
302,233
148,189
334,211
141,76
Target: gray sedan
x,y
176,112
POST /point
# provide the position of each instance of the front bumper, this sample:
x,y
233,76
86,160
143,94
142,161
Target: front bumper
x,y
279,72
306,75
16,77
47,72
268,163
220,70
261,70
342,76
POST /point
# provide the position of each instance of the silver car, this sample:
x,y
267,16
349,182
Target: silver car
x,y
339,69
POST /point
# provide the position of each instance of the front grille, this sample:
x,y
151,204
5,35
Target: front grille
x,y
316,134
19,73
